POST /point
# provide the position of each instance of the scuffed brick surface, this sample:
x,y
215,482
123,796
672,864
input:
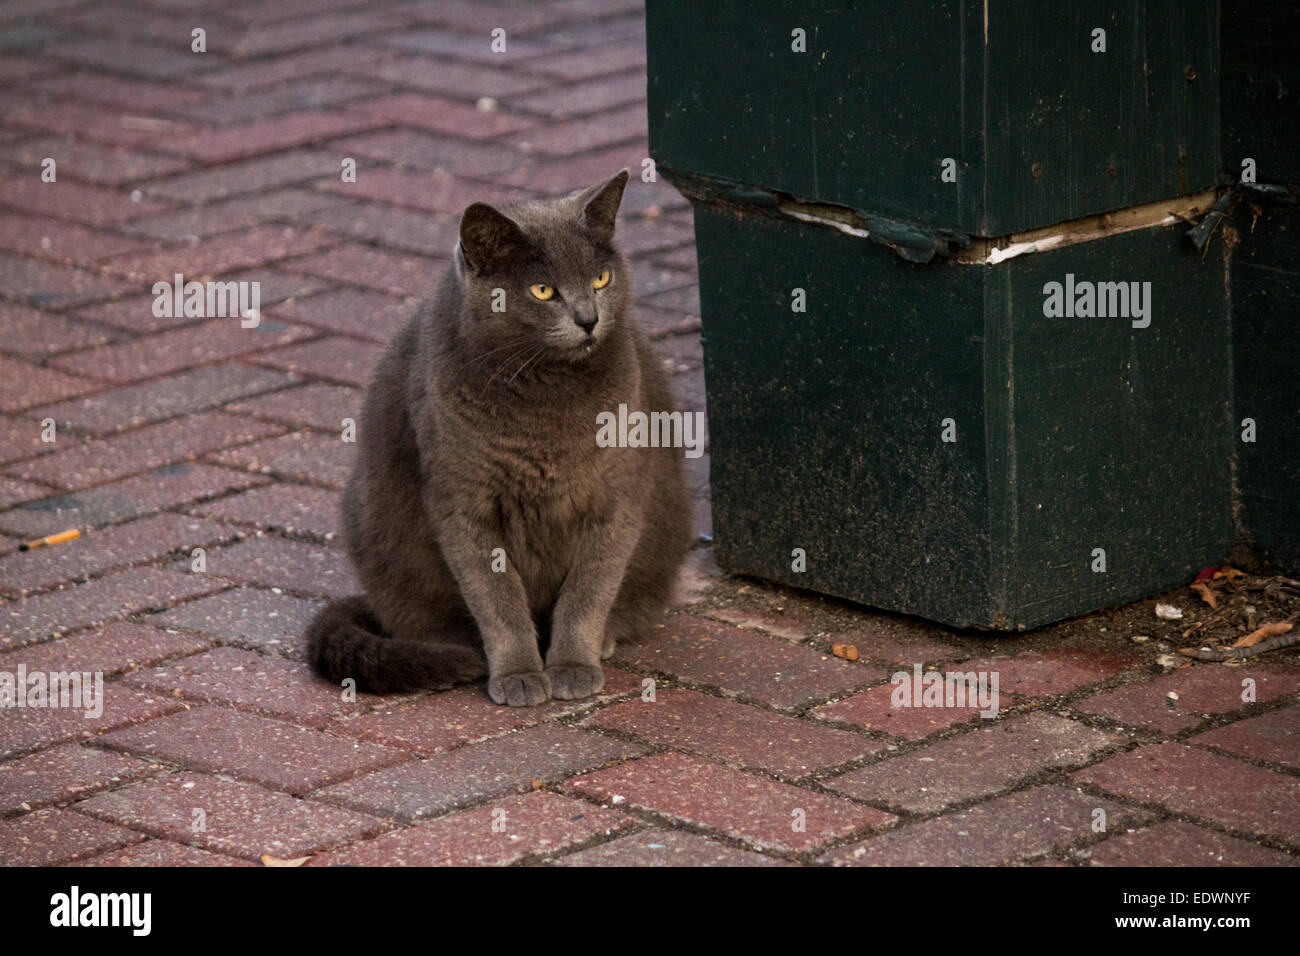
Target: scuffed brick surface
x,y
1175,843
500,833
657,847
164,487
280,507
1204,785
61,774
992,756
144,449
1030,823
160,853
26,729
301,456
110,649
52,837
246,616
1184,699
103,599
1273,737
181,394
269,752
730,736
745,664
436,722
874,709
279,563
261,684
236,818
133,542
744,806
734,733
443,781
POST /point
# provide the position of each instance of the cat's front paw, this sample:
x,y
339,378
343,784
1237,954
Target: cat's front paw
x,y
520,690
571,681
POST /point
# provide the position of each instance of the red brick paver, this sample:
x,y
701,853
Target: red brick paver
x,y
110,649
281,507
443,781
229,817
1184,699
141,450
746,664
91,554
656,847
269,752
756,809
103,599
734,733
246,615
502,832
160,853
874,709
757,747
259,683
23,729
51,837
59,774
436,722
1175,843
164,487
1019,825
981,762
1205,785
1272,737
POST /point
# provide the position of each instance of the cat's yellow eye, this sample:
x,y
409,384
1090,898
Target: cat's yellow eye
x,y
601,280
542,291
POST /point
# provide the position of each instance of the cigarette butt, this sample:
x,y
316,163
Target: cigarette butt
x,y
51,539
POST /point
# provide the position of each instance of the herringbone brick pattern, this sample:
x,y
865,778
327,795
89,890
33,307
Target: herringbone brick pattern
x,y
732,737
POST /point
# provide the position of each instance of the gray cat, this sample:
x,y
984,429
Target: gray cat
x,y
481,515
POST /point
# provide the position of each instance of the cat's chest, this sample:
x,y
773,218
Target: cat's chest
x,y
542,506
553,484
531,466
527,472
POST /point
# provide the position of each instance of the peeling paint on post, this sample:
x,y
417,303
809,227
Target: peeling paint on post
x,y
886,91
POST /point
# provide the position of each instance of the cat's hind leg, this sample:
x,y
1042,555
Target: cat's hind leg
x,y
647,588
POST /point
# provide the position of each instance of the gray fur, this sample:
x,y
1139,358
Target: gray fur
x,y
479,432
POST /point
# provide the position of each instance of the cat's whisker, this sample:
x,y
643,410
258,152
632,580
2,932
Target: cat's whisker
x,y
510,360
517,346
532,358
482,356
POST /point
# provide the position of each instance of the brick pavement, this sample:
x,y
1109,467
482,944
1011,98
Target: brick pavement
x,y
731,737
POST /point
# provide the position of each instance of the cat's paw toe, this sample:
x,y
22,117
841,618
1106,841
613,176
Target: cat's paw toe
x,y
571,681
520,690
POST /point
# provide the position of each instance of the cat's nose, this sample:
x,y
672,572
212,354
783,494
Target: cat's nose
x,y
586,319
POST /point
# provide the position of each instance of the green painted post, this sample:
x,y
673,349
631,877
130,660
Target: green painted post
x,y
883,203
1261,144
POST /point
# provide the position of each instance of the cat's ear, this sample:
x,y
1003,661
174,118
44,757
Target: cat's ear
x,y
599,204
488,237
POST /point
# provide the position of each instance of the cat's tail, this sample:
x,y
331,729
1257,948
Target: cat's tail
x,y
346,640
